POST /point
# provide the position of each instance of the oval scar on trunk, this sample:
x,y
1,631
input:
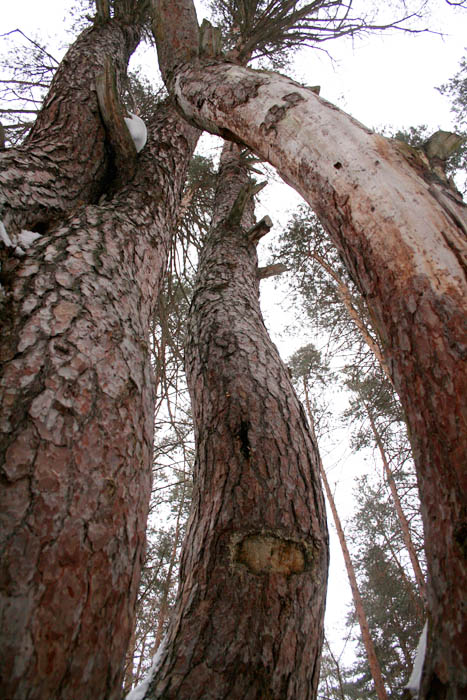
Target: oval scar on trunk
x,y
265,554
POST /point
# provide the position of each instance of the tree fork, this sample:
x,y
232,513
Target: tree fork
x,y
401,233
76,428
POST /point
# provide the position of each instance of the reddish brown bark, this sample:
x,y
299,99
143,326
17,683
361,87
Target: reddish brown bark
x,y
65,160
76,428
249,615
401,232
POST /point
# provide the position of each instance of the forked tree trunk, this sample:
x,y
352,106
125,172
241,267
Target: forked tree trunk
x,y
402,234
248,621
76,428
65,161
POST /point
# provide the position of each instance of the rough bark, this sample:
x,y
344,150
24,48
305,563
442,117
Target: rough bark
x,y
76,429
248,621
401,232
66,160
373,663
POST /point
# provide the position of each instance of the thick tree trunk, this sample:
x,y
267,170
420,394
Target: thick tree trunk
x,y
66,161
76,428
402,234
248,621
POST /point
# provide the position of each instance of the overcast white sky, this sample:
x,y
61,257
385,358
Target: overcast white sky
x,y
387,80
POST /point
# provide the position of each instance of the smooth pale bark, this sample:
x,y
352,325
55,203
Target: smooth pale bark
x,y
76,429
65,161
402,234
248,621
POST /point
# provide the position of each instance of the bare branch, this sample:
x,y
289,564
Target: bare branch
x,y
271,270
260,229
34,43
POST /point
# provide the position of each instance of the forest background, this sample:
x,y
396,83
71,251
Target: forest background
x,y
390,83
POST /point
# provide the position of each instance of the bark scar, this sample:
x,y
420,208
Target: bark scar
x,y
277,112
244,442
269,554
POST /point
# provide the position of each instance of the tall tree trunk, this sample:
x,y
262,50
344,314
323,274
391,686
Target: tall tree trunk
x,y
76,428
248,620
401,232
399,511
66,160
373,663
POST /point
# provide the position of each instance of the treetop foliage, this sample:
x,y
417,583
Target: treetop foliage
x,y
272,29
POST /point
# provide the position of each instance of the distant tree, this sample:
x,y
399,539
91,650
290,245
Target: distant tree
x,y
377,414
77,402
390,596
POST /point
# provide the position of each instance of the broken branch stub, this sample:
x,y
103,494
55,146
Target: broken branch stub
x,y
260,229
271,270
243,197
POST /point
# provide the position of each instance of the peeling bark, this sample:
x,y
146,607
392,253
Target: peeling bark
x,y
249,615
401,232
66,160
76,431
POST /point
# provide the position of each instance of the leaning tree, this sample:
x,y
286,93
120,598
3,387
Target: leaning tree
x,y
76,386
400,227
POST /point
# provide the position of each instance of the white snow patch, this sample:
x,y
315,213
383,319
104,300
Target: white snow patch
x,y
26,238
138,132
139,692
4,236
20,242
414,681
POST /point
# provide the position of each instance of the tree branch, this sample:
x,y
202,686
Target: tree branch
x,y
176,32
117,131
246,193
260,229
271,270
102,10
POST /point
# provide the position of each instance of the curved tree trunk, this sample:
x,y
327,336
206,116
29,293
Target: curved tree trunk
x,y
65,160
402,233
248,622
76,428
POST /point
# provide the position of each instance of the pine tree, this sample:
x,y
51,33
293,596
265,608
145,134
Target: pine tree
x,y
78,400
